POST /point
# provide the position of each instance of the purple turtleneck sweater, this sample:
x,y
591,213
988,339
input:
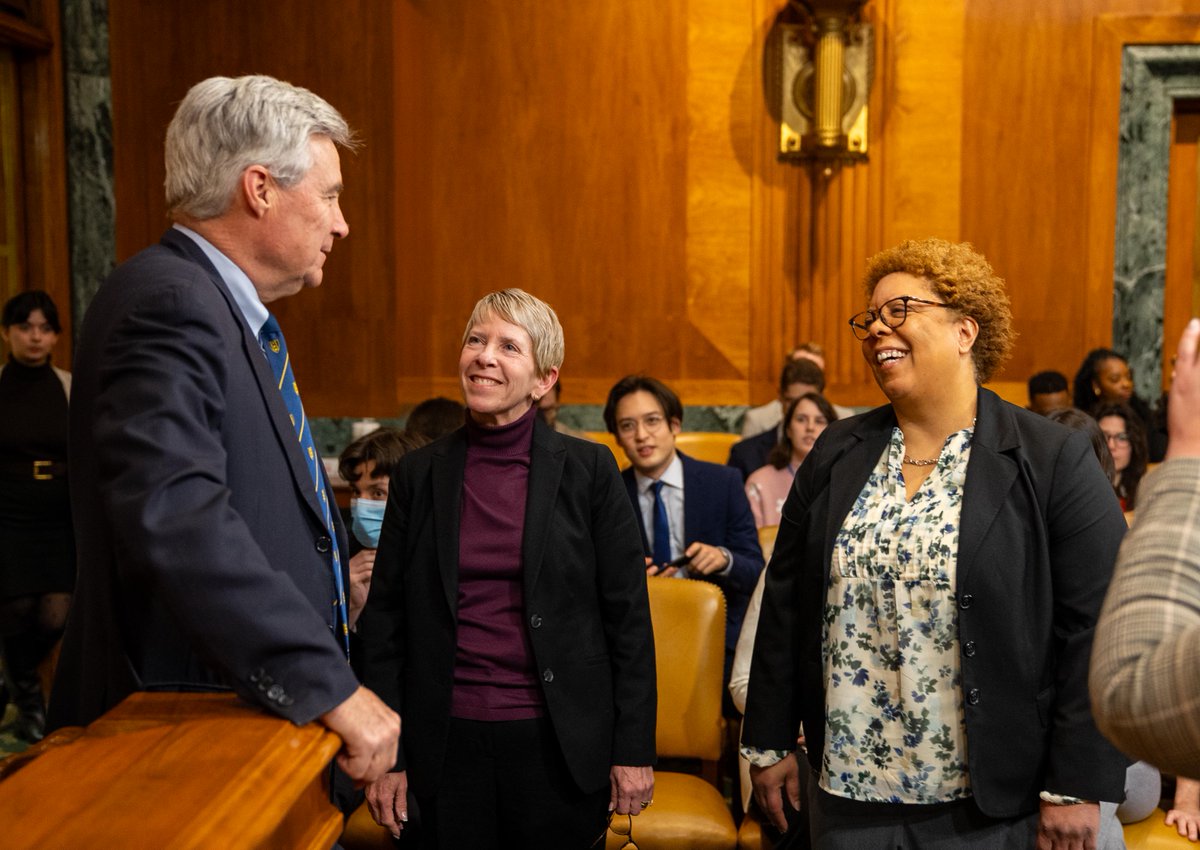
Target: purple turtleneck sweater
x,y
494,676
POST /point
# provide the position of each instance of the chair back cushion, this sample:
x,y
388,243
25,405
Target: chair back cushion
x,y
712,446
689,646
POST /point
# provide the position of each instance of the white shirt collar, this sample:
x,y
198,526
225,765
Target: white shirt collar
x,y
239,283
672,476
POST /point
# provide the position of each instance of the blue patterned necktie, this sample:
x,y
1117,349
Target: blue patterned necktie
x,y
271,340
662,528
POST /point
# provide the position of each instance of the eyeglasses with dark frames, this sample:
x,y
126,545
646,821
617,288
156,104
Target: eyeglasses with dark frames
x,y
892,313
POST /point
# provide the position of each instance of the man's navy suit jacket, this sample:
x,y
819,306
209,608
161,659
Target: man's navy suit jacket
x,y
716,512
203,560
750,453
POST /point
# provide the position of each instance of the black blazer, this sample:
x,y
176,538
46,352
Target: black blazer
x,y
1039,533
203,558
587,610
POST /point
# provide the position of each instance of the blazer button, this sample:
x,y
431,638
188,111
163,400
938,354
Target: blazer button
x,y
535,621
973,696
323,545
275,693
547,675
969,648
966,601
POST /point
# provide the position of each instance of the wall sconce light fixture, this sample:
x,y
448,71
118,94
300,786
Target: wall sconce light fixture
x,y
826,72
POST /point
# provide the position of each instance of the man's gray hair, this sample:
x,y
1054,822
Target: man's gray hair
x,y
224,125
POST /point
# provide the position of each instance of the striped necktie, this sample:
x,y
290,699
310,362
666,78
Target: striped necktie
x,y
271,340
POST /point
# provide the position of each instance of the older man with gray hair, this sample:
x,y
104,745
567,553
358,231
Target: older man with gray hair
x,y
209,554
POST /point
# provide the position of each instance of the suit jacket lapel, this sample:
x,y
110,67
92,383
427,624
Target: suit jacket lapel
x,y
990,475
849,473
546,458
263,375
696,503
449,469
631,488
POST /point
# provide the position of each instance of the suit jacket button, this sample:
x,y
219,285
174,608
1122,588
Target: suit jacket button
x,y
966,601
275,693
969,648
536,621
973,696
547,675
323,545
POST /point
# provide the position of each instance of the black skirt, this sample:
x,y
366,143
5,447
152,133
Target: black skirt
x,y
37,544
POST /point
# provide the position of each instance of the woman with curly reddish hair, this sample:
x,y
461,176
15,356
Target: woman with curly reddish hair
x,y
929,607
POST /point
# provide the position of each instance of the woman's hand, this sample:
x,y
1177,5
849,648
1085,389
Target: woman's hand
x,y
1068,827
632,789
387,800
771,783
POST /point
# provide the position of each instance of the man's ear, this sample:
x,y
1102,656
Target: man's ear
x,y
257,190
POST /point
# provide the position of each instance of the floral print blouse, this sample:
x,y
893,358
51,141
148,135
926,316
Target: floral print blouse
x,y
895,731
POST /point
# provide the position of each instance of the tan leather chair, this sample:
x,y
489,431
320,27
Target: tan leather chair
x,y
689,639
607,439
1153,834
766,539
712,446
362,833
750,833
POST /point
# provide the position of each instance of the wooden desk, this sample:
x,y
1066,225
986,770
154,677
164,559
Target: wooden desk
x,y
168,770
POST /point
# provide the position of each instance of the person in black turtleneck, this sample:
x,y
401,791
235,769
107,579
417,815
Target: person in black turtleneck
x,y
508,622
37,560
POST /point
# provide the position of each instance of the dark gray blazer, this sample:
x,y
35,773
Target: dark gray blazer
x,y
587,610
1039,533
203,560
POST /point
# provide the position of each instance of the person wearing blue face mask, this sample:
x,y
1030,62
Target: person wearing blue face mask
x,y
367,465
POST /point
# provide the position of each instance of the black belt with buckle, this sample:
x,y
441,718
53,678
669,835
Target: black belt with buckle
x,y
36,470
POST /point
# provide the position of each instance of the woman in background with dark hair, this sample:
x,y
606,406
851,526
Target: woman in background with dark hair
x,y
1104,377
768,486
1075,418
1127,442
37,560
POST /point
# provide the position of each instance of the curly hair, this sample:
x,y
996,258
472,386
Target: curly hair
x,y
961,277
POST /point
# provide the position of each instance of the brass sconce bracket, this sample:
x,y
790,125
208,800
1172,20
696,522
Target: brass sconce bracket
x,y
826,68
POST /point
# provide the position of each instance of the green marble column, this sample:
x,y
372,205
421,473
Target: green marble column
x,y
91,207
1152,78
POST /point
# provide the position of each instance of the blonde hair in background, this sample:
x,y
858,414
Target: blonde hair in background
x,y
531,314
226,124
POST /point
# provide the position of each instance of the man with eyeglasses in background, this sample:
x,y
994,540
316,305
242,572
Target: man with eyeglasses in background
x,y
694,516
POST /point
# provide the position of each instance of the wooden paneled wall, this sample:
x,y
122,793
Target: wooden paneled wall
x,y
618,160
37,161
